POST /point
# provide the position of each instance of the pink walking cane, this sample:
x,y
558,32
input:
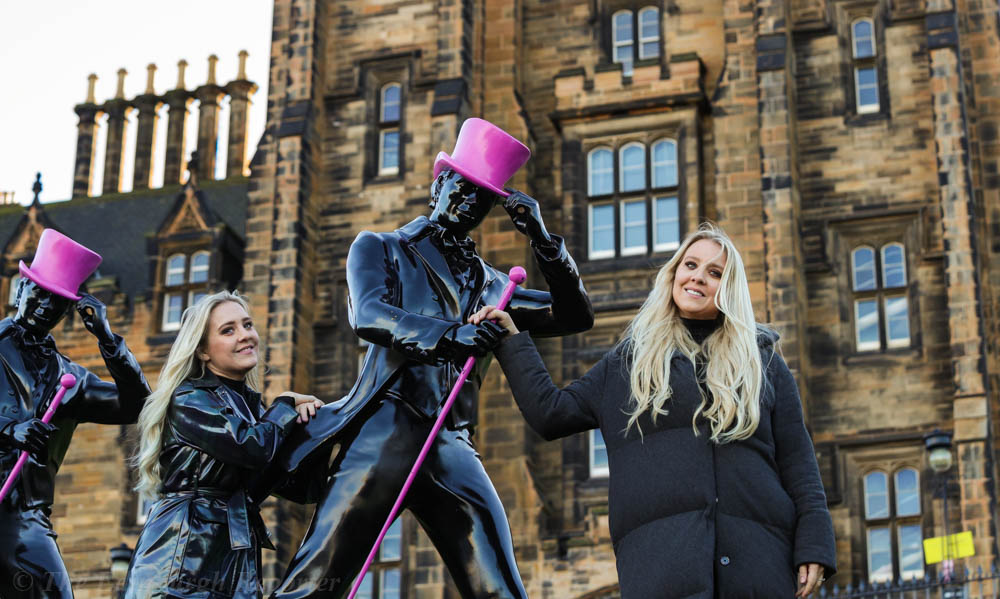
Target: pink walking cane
x,y
67,381
517,276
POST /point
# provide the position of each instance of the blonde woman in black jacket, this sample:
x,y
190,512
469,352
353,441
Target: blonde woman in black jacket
x,y
714,489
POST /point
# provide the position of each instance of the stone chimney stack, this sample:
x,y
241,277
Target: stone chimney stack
x,y
86,141
178,100
118,110
209,96
145,143
240,90
7,198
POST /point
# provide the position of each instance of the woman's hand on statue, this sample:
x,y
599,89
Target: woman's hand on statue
x,y
810,578
498,316
305,405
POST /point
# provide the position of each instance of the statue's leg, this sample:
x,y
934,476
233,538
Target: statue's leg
x,y
31,566
459,508
366,476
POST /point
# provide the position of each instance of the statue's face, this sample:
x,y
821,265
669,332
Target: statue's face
x,y
39,310
460,204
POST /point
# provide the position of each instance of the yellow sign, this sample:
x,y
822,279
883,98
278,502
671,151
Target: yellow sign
x,y
953,546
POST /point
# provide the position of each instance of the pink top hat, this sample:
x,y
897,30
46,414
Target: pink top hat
x,y
484,154
60,264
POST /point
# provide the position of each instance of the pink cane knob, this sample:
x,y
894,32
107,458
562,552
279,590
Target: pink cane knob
x,y
517,275
67,380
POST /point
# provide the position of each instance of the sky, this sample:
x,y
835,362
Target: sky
x,y
48,48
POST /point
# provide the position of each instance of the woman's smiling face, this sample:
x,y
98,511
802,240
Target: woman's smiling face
x,y
697,278
230,346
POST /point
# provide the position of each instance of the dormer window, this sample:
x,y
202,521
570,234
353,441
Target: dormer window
x,y
185,281
635,35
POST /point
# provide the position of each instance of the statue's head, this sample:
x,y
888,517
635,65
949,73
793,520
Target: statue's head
x,y
469,181
38,309
52,283
459,204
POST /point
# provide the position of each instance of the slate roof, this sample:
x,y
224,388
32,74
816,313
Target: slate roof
x,y
118,225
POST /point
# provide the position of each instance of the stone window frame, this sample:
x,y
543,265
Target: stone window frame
x,y
377,75
651,195
891,521
850,14
388,125
609,11
188,290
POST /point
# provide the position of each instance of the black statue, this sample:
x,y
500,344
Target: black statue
x,y
411,293
30,563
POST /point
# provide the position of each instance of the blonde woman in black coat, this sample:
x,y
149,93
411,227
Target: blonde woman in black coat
x,y
714,489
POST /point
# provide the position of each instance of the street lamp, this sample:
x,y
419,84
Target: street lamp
x,y
120,558
938,446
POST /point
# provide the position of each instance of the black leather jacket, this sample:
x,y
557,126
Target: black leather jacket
x,y
90,400
205,534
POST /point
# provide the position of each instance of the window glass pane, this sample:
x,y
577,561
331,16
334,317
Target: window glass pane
x,y
867,82
602,230
389,150
199,267
391,547
389,584
173,306
601,173
623,40
665,164
911,552
365,591
897,321
879,555
175,270
667,228
649,33
866,321
623,27
893,266
907,493
598,454
195,296
634,227
864,269
633,168
390,103
876,495
864,42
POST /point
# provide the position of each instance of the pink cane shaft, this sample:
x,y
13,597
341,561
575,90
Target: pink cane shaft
x,y
517,276
67,381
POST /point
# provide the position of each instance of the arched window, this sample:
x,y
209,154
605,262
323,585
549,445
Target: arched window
x,y
876,495
176,267
864,51
632,167
649,32
863,268
199,267
600,172
893,265
623,40
907,483
892,515
390,115
664,159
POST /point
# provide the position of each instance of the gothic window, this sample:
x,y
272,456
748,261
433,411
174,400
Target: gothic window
x,y
389,118
635,35
185,281
864,53
893,533
598,455
881,308
384,579
642,212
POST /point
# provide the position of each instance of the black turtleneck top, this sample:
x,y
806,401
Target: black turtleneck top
x,y
701,329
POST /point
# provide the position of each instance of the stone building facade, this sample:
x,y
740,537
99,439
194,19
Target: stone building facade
x,y
850,147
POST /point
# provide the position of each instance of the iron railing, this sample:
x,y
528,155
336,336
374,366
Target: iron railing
x,y
981,584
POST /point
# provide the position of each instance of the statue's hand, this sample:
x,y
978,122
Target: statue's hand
x,y
94,315
31,436
526,215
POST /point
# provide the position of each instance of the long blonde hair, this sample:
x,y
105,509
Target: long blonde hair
x,y
733,372
182,363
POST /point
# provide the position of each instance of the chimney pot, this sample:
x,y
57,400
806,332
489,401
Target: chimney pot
x,y
243,65
120,94
181,65
212,60
91,85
